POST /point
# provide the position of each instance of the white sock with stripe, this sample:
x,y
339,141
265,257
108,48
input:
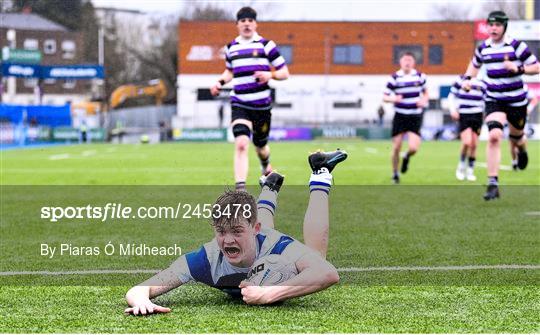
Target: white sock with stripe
x,y
322,181
267,200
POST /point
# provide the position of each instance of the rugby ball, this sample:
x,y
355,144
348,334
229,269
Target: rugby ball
x,y
271,270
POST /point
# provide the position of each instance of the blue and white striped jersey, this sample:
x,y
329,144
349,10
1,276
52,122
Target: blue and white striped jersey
x,y
244,58
410,86
472,101
208,265
503,85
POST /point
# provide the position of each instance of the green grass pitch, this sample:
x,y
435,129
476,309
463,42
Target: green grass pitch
x,y
430,220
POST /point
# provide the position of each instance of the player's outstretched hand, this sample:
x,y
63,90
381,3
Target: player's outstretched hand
x,y
254,295
422,103
146,308
263,76
454,115
214,90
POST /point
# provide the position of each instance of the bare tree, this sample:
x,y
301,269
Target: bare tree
x,y
209,13
147,48
451,12
156,55
203,10
515,9
461,11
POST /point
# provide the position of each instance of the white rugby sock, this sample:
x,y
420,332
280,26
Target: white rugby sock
x,y
321,181
267,200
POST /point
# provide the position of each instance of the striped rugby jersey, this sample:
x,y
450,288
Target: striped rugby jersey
x,y
410,86
503,85
530,94
243,58
208,265
472,101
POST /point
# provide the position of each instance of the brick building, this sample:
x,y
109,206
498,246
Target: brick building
x,y
57,46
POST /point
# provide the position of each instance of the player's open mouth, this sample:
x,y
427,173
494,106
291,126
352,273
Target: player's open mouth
x,y
232,252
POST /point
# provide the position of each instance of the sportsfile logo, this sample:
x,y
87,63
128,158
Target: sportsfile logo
x,y
109,211
114,211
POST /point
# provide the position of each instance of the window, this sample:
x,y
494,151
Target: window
x,y
435,54
348,54
68,49
30,82
49,81
287,52
49,47
69,84
31,44
415,49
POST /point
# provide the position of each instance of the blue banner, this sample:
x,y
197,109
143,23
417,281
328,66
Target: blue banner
x,y
72,71
52,116
52,71
21,70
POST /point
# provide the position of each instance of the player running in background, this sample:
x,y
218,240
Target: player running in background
x,y
241,239
506,60
467,107
251,61
407,91
532,102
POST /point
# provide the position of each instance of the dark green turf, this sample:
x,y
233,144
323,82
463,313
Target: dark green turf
x,y
373,224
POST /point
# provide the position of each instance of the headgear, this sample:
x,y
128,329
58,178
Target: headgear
x,y
246,13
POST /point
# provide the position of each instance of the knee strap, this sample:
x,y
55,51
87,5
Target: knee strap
x,y
516,138
494,125
260,140
241,129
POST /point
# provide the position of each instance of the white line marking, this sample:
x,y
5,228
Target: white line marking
x,y
444,268
502,167
371,150
87,153
351,269
58,157
532,213
75,272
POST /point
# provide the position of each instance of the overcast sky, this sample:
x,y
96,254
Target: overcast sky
x,y
370,10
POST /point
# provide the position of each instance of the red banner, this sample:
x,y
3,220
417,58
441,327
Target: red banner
x,y
480,30
534,88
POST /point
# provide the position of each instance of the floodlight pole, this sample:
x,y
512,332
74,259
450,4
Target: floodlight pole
x,y
11,81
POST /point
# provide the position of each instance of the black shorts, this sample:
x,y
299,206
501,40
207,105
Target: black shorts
x,y
403,123
516,116
261,120
473,121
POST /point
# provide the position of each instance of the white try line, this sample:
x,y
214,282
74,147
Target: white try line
x,y
351,269
444,268
532,213
501,167
58,157
371,150
88,153
76,272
